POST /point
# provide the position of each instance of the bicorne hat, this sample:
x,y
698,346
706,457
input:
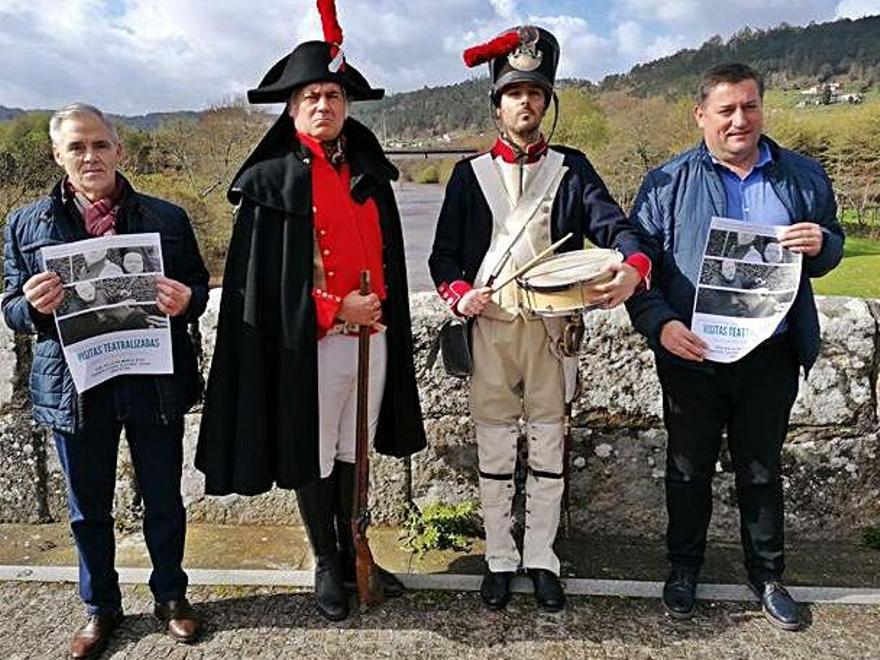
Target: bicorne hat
x,y
521,54
315,61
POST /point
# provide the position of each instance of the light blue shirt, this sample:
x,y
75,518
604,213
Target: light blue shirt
x,y
753,199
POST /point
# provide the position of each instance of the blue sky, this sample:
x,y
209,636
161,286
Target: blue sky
x,y
135,56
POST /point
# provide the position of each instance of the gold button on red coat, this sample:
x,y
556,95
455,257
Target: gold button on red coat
x,y
326,252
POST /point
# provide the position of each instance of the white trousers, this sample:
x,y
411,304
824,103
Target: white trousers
x,y
496,446
516,374
337,395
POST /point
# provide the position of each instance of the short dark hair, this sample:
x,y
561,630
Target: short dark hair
x,y
732,72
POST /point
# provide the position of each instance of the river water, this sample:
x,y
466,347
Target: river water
x,y
419,207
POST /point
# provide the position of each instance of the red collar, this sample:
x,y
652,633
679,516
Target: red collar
x,y
511,153
319,150
311,144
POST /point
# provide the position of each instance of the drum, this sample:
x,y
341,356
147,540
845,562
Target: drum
x,y
560,285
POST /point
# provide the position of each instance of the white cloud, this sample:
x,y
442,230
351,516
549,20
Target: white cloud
x,y
143,55
635,44
648,29
858,8
584,54
504,8
670,11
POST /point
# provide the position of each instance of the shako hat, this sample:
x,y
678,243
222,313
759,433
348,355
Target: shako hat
x,y
525,53
315,61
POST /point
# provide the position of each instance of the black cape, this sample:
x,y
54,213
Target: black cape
x,y
260,418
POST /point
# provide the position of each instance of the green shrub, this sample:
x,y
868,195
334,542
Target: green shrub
x,y
445,170
429,174
442,526
871,537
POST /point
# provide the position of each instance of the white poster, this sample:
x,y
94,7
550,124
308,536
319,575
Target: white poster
x,y
747,284
108,321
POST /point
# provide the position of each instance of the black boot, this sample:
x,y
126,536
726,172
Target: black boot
x,y
495,589
316,510
344,504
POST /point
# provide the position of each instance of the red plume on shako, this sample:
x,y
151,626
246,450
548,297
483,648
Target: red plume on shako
x,y
502,45
525,53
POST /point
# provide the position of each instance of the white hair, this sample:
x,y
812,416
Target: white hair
x,y
75,110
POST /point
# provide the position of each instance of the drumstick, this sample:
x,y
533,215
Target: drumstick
x,y
531,264
507,254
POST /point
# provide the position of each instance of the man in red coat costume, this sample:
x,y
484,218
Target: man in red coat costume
x,y
315,208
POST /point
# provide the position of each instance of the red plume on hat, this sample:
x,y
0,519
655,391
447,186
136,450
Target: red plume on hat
x,y
330,24
504,44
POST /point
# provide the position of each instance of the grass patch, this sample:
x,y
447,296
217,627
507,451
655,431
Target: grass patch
x,y
429,174
858,274
442,526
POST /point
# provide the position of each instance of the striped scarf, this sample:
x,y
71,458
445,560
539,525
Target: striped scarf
x,y
100,216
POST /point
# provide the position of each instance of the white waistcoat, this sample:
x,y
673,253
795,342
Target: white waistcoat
x,y
521,200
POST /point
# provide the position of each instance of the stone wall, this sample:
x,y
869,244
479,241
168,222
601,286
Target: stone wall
x,y
832,471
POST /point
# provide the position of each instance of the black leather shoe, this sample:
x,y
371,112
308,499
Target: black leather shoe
x,y
495,589
331,598
548,589
777,604
90,640
680,593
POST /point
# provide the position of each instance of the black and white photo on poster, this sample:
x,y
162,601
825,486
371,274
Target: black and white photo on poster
x,y
109,291
732,274
742,304
746,285
62,267
742,244
101,262
108,321
74,329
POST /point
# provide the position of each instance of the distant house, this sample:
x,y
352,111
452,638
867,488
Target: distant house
x,y
827,94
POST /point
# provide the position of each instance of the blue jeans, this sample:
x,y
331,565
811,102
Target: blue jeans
x,y
88,459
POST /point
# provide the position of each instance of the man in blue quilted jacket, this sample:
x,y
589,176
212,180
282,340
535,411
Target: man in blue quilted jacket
x,y
93,199
739,173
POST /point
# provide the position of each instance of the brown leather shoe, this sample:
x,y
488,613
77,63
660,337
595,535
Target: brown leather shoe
x,y
92,638
180,619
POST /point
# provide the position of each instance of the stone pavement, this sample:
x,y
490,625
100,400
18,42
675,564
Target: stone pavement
x,y
35,620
